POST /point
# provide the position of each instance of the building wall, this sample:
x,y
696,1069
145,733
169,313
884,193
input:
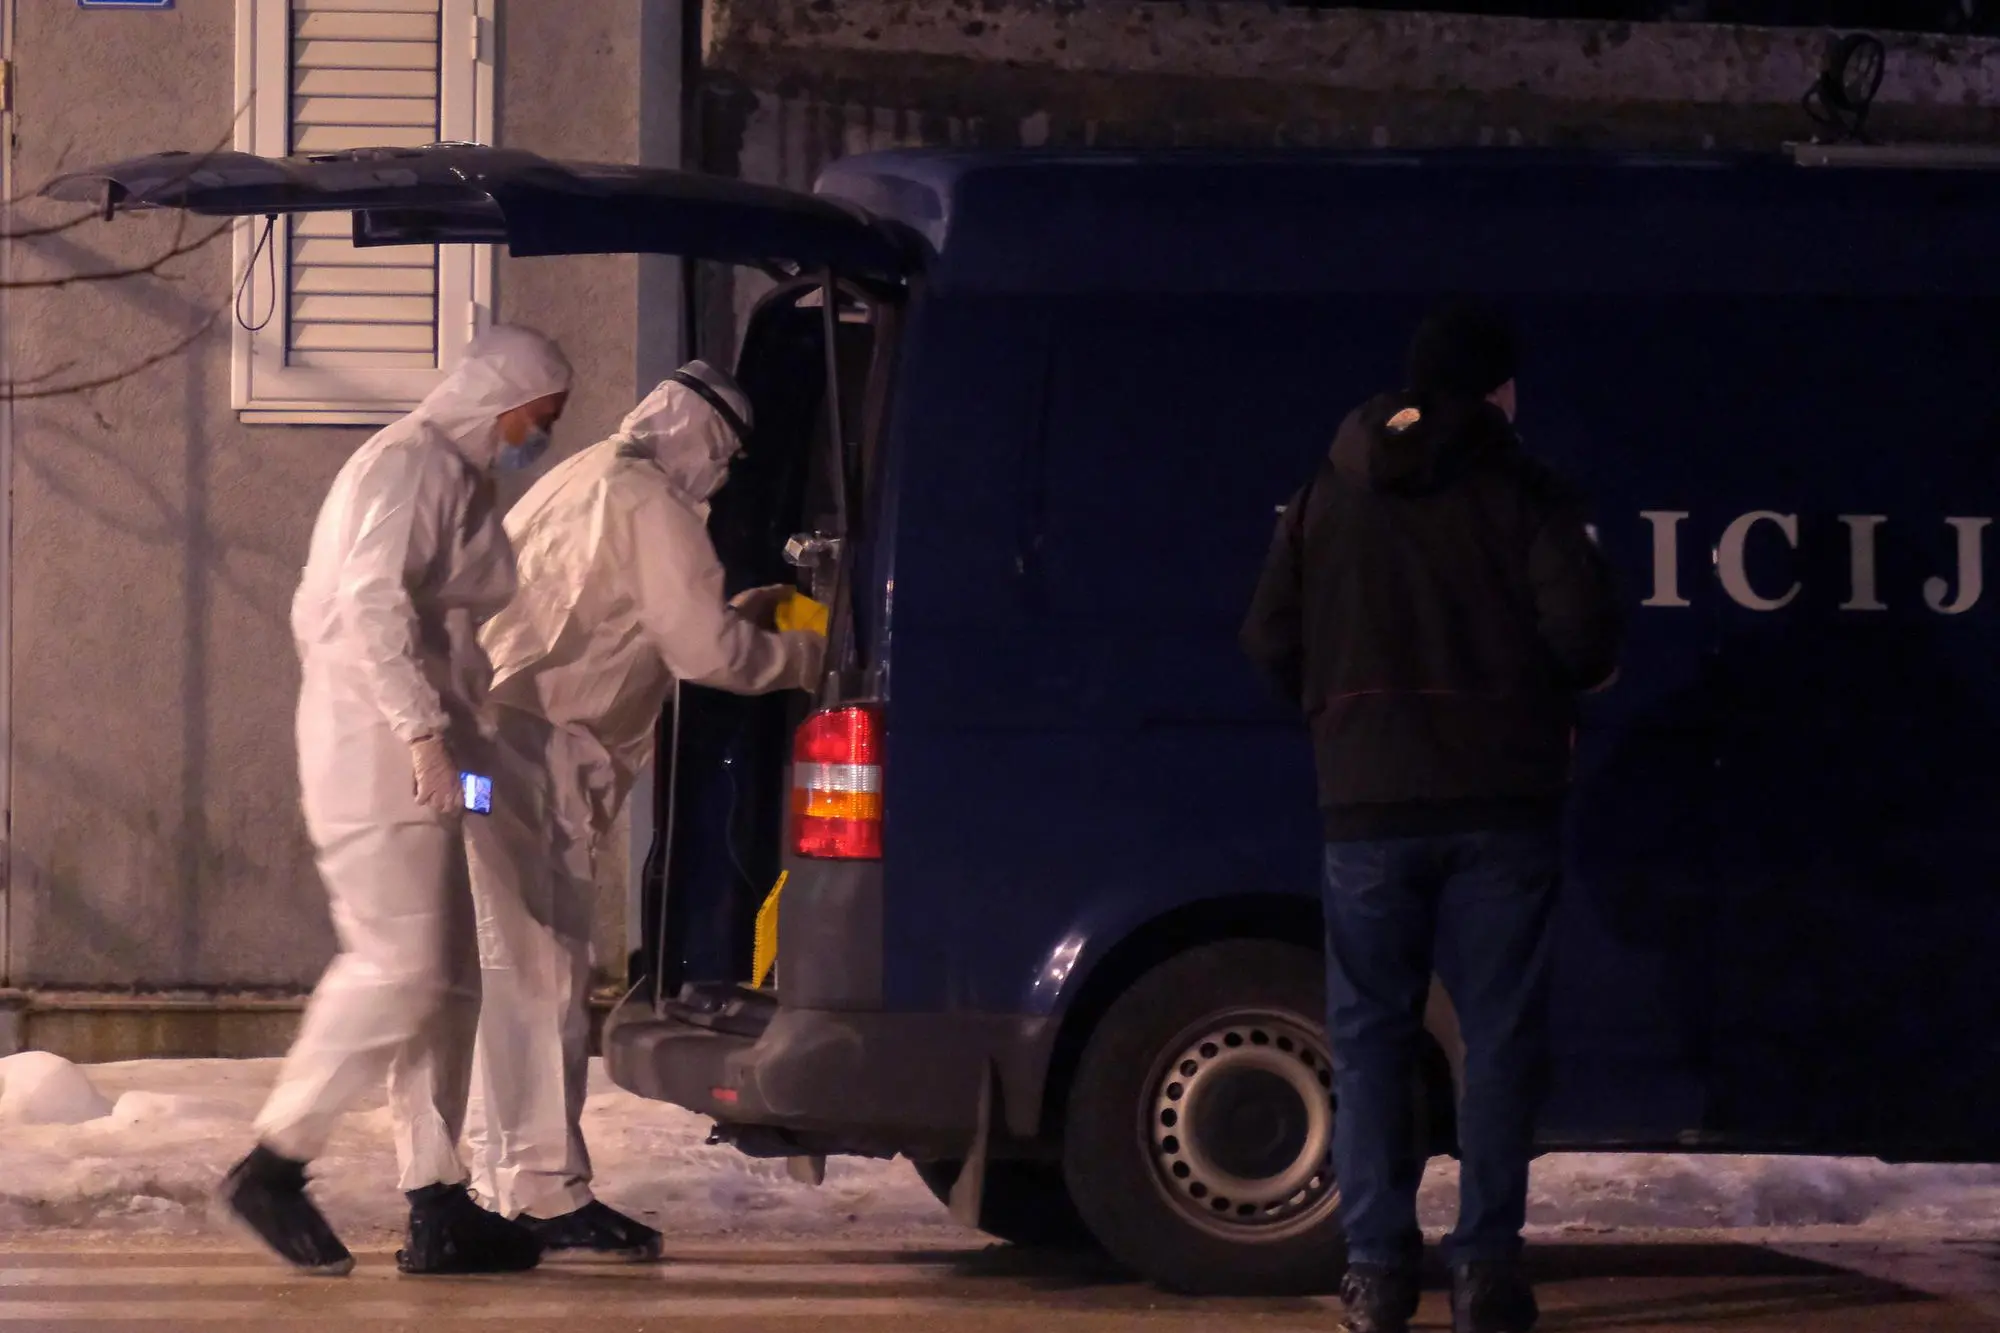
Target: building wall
x,y
156,840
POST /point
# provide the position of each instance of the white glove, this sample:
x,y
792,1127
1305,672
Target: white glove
x,y
438,786
759,606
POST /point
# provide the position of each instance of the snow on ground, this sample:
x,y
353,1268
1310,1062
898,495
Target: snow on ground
x,y
138,1149
152,1165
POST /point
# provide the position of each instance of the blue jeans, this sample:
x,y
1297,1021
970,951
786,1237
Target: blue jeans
x,y
1475,909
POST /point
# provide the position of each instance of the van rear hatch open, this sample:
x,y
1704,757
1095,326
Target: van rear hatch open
x,y
534,206
464,194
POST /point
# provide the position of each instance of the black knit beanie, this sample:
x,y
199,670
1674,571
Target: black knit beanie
x,y
1464,349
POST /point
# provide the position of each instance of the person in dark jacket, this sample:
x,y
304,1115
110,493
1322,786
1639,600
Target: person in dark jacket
x,y
1436,603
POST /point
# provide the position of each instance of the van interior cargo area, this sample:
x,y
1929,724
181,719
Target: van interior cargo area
x,y
723,788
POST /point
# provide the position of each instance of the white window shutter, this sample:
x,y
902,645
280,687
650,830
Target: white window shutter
x,y
340,334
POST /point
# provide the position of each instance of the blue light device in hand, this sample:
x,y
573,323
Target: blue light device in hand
x,y
478,793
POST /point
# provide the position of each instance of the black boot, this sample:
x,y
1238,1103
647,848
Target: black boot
x,y
1379,1299
268,1193
1492,1297
449,1233
596,1229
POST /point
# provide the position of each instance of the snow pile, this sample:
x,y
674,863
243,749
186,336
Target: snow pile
x,y
161,1133
140,1147
1611,1190
41,1089
150,1153
1603,1192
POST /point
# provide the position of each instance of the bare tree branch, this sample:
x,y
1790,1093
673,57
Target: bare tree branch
x,y
7,389
52,229
18,394
50,382
195,164
151,268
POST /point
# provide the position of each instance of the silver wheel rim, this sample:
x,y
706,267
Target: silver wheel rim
x,y
1281,1067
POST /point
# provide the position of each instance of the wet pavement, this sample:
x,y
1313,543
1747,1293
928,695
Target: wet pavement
x,y
1683,1283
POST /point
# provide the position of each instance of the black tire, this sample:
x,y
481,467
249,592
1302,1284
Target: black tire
x,y
1023,1203
1137,1156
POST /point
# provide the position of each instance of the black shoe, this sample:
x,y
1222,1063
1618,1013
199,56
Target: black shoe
x,y
1379,1299
268,1193
1492,1297
596,1229
449,1233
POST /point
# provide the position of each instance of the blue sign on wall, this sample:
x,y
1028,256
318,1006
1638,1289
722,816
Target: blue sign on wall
x,y
124,4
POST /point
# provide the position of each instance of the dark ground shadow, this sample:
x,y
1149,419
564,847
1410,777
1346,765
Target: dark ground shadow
x,y
1737,1285
1714,1283
1604,1285
1702,1286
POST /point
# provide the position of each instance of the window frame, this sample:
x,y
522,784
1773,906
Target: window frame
x,y
264,389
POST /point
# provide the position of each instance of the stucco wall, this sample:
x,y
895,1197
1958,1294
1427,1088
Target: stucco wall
x,y
156,838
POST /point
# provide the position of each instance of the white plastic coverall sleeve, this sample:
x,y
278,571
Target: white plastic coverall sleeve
x,y
621,593
700,637
407,556
621,590
372,598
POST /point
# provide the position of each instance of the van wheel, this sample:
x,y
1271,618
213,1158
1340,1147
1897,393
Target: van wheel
x,y
1200,1127
1023,1203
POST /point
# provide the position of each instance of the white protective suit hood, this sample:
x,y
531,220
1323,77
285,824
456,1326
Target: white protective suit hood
x,y
678,429
621,590
504,368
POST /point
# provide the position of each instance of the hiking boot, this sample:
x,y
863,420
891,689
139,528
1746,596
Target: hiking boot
x,y
449,1233
1379,1299
268,1194
596,1229
1492,1297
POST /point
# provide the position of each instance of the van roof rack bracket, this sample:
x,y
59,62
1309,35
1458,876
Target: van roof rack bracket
x,y
1900,157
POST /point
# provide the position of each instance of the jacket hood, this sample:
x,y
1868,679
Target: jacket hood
x,y
688,439
503,368
1405,444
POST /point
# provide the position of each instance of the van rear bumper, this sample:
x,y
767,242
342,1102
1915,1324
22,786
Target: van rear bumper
x,y
837,1081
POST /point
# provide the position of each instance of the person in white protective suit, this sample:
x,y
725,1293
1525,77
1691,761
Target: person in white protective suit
x,y
621,595
407,558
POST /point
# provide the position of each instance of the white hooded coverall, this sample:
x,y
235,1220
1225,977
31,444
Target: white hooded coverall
x,y
408,556
621,595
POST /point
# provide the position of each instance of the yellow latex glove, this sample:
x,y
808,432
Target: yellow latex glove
x,y
800,612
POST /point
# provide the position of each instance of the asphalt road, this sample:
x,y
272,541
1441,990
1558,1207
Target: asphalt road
x,y
1683,1284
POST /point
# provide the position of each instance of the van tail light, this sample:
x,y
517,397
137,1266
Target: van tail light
x,y
837,785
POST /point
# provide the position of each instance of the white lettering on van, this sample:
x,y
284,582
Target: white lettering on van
x,y
1861,552
1666,557
1947,596
1730,564
1971,570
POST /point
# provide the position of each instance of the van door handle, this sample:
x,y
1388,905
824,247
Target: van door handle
x,y
818,554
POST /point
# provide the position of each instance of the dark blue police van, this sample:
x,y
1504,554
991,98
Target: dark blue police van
x,y
1048,920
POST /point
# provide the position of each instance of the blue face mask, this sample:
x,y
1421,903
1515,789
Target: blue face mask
x,y
520,457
